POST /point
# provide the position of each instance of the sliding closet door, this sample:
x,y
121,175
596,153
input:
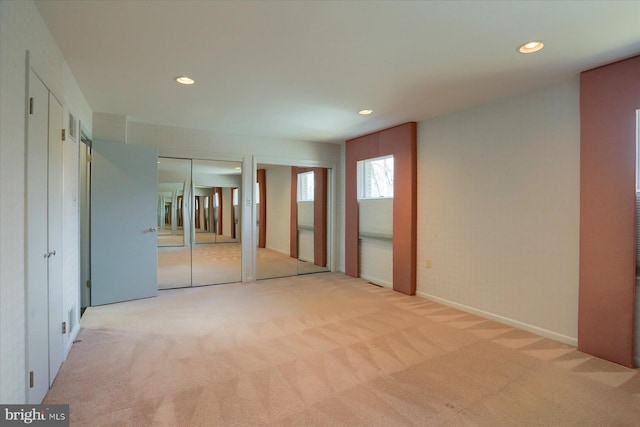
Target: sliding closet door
x,y
216,252
174,223
198,217
292,220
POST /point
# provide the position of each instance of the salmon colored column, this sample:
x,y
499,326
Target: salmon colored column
x,y
609,98
233,214
320,217
400,141
220,210
262,215
293,222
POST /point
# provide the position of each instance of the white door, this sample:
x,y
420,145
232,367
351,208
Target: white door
x,y
37,249
44,238
124,257
54,202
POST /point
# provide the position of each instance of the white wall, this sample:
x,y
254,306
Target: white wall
x,y
306,233
375,242
22,29
498,209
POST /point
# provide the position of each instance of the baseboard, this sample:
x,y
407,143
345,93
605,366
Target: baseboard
x,y
72,337
501,319
377,281
283,252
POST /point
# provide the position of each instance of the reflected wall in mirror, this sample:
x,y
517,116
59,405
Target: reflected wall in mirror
x,y
291,206
198,222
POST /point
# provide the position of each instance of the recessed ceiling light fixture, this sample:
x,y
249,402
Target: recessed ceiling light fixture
x,y
365,112
185,80
530,47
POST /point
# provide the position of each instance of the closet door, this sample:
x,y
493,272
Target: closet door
x,y
55,256
45,351
37,248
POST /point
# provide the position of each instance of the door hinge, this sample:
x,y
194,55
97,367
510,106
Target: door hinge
x,y
88,283
31,379
64,328
30,105
64,134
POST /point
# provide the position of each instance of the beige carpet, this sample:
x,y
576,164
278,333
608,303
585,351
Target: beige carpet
x,y
210,264
271,264
202,264
327,350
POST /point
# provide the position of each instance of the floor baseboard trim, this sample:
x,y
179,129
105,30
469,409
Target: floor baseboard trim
x,y
72,337
501,319
377,281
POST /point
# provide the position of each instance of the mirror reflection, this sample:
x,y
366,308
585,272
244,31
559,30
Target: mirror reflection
x,y
291,224
198,222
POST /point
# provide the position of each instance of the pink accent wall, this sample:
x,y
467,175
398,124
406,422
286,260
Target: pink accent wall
x,y
262,215
401,142
609,98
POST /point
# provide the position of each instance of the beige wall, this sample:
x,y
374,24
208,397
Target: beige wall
x,y
278,207
498,209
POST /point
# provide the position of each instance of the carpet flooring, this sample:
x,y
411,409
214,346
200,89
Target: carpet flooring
x,y
327,350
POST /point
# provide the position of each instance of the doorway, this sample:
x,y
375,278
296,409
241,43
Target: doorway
x,y
198,215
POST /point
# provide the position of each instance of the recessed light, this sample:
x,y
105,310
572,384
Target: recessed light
x,y
530,47
185,80
365,112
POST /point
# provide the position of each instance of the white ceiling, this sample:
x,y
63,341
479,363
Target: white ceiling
x,y
302,69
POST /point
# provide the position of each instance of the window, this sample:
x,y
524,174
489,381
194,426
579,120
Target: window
x,y
234,195
305,187
375,178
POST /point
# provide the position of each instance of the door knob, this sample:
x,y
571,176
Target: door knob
x,y
152,229
50,253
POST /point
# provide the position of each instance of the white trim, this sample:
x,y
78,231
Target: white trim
x,y
72,337
375,281
507,321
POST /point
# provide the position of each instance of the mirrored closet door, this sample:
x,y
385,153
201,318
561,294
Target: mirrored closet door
x,y
198,222
291,220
